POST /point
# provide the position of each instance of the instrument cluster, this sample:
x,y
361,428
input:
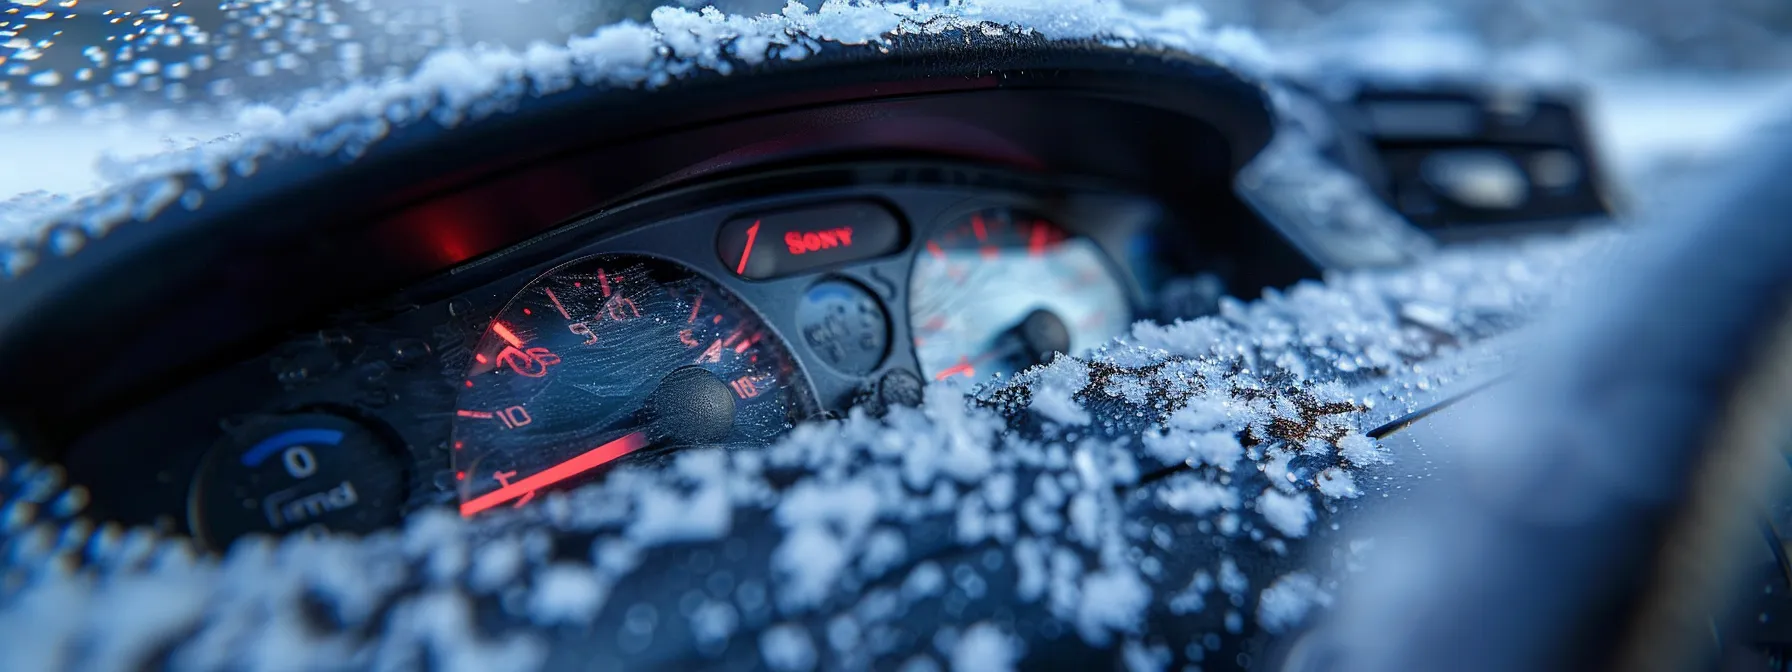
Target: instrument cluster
x,y
708,318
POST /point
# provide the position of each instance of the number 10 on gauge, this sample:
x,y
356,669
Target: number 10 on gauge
x,y
512,418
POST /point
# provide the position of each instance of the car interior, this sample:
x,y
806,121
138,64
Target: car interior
x,y
624,377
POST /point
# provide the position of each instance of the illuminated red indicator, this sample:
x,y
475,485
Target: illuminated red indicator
x,y
504,333
604,282
697,305
978,228
481,358
460,475
962,368
933,248
746,252
745,387
743,345
804,242
469,383
556,301
583,329
1036,242
532,363
482,415
526,311
586,461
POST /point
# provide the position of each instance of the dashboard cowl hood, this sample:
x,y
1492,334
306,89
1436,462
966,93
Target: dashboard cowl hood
x,y
304,196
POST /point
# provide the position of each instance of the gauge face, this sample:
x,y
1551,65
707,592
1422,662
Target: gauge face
x,y
613,358
1000,291
281,474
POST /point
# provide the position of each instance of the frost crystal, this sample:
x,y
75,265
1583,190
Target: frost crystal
x,y
1113,600
1361,450
1197,497
1290,514
1287,600
566,593
985,647
787,648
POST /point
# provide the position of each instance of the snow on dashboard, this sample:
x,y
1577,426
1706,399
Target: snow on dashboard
x,y
1183,469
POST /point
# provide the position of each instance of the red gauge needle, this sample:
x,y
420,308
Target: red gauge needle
x,y
747,252
586,461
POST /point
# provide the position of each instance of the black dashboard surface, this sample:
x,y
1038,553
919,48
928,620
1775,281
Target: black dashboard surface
x,y
339,303
395,369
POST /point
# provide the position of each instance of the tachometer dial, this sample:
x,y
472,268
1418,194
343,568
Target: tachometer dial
x,y
612,358
1002,290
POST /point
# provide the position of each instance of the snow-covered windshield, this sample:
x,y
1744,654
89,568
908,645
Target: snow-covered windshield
x,y
88,85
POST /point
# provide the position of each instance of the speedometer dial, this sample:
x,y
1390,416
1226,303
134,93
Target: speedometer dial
x,y
614,358
1001,291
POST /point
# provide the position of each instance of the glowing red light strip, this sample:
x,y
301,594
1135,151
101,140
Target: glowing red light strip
x,y
1036,246
963,368
978,228
586,461
747,252
483,415
556,301
504,333
694,308
604,282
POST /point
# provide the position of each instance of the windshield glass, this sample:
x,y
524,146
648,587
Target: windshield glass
x,y
87,86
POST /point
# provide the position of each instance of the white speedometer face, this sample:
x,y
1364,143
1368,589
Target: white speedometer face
x,y
1001,290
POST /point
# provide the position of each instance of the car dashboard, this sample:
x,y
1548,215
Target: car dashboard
x,y
554,298
715,316
389,324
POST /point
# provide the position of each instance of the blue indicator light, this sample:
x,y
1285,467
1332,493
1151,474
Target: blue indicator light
x,y
261,451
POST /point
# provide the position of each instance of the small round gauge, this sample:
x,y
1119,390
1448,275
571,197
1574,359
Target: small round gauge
x,y
613,358
1001,290
283,473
